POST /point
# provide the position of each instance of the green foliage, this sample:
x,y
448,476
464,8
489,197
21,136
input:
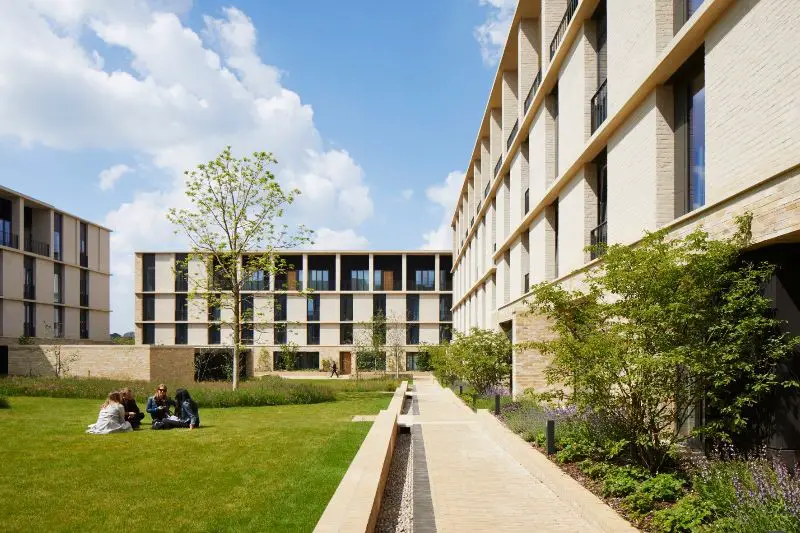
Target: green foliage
x,y
684,517
269,390
482,358
24,340
443,363
288,356
660,488
326,365
576,450
594,470
120,340
4,403
689,322
424,359
624,480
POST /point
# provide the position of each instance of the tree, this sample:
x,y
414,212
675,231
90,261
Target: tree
x,y
482,358
662,327
370,343
234,229
62,362
395,341
288,356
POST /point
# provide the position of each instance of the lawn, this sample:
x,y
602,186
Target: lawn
x,y
245,469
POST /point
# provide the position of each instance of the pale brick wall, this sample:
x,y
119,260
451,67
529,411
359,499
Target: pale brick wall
x,y
509,91
515,270
165,279
552,12
527,57
13,275
329,307
752,76
631,45
528,364
538,249
497,148
109,361
571,228
515,192
429,308
172,364
573,102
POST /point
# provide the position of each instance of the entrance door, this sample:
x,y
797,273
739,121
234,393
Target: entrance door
x,y
3,360
345,359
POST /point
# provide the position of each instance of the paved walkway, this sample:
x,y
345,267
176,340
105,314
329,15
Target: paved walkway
x,y
466,480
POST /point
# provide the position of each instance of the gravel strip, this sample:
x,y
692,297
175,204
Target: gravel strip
x,y
397,510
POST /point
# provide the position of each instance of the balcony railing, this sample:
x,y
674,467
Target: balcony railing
x,y
29,291
255,285
412,285
562,27
355,284
498,165
599,106
84,329
385,283
37,247
486,190
29,329
537,81
9,239
513,134
527,200
599,239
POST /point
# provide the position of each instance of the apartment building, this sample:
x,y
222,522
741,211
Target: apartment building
x,y
412,289
54,275
608,118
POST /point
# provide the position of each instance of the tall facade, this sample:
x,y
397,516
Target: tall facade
x,y
609,118
54,272
413,290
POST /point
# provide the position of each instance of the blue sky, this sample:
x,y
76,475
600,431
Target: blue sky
x,y
370,109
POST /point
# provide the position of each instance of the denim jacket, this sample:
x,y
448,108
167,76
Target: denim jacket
x,y
153,407
188,414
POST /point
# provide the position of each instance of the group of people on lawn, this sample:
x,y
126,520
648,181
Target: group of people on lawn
x,y
120,413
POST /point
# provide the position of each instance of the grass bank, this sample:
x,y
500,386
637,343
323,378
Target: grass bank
x,y
245,469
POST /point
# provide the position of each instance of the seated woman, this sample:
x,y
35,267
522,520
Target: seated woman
x,y
132,412
158,406
111,418
186,409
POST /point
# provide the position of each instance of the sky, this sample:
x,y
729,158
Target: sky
x,y
371,109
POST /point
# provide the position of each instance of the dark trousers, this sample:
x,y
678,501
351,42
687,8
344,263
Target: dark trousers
x,y
169,424
334,371
135,420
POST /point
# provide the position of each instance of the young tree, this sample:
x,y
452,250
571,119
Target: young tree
x,y
662,327
62,362
395,341
234,228
288,355
482,358
370,341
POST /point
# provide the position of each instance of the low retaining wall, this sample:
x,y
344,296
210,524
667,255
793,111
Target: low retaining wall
x,y
127,362
355,505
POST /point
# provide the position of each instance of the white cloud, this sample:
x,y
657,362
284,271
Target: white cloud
x,y
445,197
491,35
179,96
110,176
328,239
407,194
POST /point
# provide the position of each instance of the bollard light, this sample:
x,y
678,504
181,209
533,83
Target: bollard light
x,y
460,390
551,437
497,404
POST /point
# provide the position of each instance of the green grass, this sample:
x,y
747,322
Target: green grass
x,y
245,469
388,384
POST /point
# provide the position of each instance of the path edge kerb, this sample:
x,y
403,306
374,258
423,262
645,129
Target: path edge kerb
x,y
586,504
355,505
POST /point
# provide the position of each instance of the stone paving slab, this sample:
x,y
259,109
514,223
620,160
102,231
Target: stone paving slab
x,y
475,484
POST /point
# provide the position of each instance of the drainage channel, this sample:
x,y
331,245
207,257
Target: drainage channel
x,y
397,506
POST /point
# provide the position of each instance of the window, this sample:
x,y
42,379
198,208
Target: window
x,y
6,237
58,229
181,273
148,272
84,325
58,283
181,307
684,9
213,313
554,112
247,334
149,334
58,321
445,333
148,307
690,140
83,246
412,334
346,307
29,289
411,360
279,332
213,334
555,237
445,303
379,304
29,325
303,361
599,235
84,287
279,307
424,280
247,307
312,334
412,307
312,309
181,333
359,280
319,280
346,334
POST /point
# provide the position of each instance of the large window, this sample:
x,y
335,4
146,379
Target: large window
x,y
412,307
312,311
424,280
58,283
181,273
6,237
214,313
84,250
148,272
279,307
279,332
247,334
320,280
303,361
181,333
58,230
412,334
148,307
213,334
445,333
346,334
684,9
346,307
379,304
29,272
181,307
84,287
58,321
312,334
599,235
359,280
84,325
690,138
247,308
29,324
149,334
445,304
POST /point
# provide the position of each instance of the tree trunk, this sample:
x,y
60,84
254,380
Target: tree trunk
x,y
237,319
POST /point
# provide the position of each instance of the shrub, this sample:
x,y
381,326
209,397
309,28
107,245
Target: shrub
x,y
662,487
685,516
4,403
326,365
594,470
624,480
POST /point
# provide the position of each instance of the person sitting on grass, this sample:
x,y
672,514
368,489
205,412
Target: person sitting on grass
x,y
158,406
111,418
186,409
132,412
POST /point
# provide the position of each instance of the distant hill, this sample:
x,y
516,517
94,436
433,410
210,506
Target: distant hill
x,y
127,338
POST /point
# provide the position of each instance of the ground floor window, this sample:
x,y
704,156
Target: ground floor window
x,y
302,361
411,360
217,364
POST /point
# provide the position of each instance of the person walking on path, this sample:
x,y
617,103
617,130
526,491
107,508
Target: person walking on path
x,y
334,370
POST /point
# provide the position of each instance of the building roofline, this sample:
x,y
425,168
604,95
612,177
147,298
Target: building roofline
x,y
319,252
54,208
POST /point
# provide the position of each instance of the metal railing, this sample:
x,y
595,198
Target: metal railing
x,y
527,200
599,106
412,285
498,165
537,81
9,239
58,330
29,291
355,284
37,247
562,27
513,134
598,239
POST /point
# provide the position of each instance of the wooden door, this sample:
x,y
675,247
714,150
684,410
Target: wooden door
x,y
345,359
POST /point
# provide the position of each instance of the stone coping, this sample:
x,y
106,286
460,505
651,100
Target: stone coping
x,y
586,504
355,505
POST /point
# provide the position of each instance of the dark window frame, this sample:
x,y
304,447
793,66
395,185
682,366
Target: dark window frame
x,y
345,307
182,333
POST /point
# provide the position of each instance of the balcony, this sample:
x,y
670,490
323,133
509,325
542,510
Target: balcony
x,y
537,81
29,291
599,106
598,238
36,247
562,27
9,239
356,284
256,285
29,329
513,134
387,280
527,200
498,165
